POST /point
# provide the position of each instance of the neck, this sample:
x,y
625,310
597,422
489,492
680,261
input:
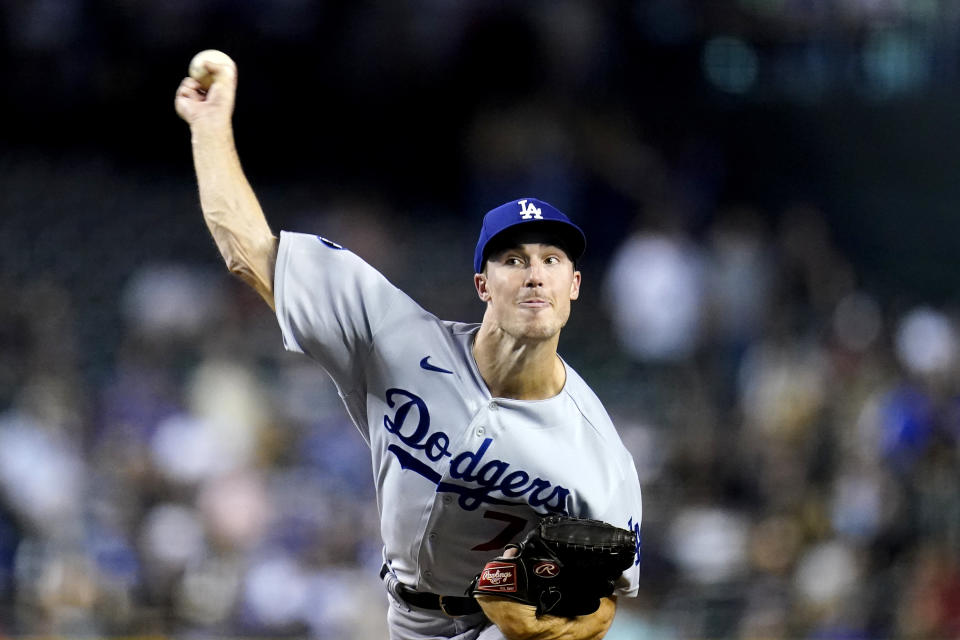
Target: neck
x,y
517,368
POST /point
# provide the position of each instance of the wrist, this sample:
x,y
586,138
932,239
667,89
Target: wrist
x,y
203,129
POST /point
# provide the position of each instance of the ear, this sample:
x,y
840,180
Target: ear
x,y
480,284
575,286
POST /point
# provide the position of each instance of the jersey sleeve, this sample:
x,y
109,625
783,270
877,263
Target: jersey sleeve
x,y
330,304
625,511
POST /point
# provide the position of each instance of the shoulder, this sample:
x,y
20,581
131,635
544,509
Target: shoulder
x,y
315,267
464,329
318,262
586,400
592,411
297,239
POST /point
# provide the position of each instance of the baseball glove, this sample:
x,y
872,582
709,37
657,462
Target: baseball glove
x,y
563,566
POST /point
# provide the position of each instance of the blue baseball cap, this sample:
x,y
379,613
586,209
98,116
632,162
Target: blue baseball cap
x,y
530,213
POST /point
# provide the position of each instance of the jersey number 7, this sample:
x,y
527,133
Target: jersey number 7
x,y
515,525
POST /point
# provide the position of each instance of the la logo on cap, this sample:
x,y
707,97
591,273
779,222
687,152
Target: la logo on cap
x,y
529,212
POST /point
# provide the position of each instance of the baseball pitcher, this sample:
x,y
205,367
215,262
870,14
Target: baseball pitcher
x,y
509,506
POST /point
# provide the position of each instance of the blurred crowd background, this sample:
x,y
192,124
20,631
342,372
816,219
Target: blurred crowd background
x,y
769,189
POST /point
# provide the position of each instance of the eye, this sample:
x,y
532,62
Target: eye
x,y
513,261
552,260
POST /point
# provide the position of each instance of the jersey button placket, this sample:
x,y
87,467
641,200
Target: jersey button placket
x,y
492,407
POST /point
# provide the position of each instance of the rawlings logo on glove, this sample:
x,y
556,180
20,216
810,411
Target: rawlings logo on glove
x,y
498,577
563,567
547,569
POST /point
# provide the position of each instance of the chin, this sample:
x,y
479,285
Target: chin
x,y
540,330
539,327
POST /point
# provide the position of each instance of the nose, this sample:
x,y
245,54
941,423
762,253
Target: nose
x,y
534,275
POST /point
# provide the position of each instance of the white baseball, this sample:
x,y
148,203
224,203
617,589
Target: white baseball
x,y
199,72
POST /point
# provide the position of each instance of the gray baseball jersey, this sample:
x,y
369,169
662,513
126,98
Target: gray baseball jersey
x,y
459,473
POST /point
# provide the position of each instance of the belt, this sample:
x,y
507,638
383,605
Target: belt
x,y
453,606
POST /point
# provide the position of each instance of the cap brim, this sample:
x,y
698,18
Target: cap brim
x,y
570,237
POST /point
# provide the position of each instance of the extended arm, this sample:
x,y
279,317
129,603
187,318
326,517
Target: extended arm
x,y
230,207
518,621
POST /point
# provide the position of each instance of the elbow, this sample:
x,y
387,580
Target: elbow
x,y
238,267
253,263
242,271
261,283
251,257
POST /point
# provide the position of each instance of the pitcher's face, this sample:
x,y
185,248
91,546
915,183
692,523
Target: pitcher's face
x,y
528,290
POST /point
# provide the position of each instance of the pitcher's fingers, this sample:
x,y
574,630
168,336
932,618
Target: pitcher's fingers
x,y
220,69
222,89
188,90
191,83
190,94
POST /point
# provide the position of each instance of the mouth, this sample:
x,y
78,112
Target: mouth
x,y
534,303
